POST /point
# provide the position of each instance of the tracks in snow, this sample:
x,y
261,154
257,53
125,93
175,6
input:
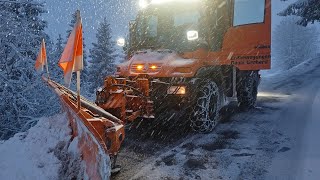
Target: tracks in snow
x,y
241,146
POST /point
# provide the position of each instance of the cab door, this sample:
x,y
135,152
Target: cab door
x,y
250,36
247,43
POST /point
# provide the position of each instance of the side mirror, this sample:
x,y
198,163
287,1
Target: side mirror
x,y
192,35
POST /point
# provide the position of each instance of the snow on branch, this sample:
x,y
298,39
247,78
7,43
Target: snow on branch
x,y
308,10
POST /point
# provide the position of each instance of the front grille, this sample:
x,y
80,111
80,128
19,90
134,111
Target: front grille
x,y
146,68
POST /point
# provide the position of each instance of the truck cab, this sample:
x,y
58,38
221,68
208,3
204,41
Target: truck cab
x,y
177,38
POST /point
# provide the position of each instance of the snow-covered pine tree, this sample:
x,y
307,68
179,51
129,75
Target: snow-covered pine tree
x,y
55,71
293,44
59,45
102,56
308,10
22,94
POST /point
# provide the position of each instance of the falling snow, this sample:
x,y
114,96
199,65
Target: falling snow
x,y
275,140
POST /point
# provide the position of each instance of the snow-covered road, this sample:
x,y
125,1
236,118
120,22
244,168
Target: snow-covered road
x,y
300,121
277,140
311,144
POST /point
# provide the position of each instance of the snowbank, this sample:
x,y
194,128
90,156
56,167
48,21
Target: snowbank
x,y
304,67
272,80
31,155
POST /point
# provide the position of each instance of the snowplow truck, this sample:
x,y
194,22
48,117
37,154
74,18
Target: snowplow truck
x,y
191,52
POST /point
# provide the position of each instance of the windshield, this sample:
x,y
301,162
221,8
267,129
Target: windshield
x,y
165,29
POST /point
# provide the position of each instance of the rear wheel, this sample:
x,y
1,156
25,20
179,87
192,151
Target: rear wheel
x,y
247,89
205,114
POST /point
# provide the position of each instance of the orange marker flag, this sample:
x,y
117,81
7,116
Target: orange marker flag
x,y
42,58
72,56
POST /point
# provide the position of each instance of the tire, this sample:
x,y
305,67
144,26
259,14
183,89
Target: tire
x,y
205,114
247,89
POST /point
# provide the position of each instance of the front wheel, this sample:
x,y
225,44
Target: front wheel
x,y
205,114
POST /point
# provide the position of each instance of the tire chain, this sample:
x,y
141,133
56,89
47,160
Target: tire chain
x,y
205,124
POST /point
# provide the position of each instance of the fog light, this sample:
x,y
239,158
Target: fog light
x,y
153,67
180,90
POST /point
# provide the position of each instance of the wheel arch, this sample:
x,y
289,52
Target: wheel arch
x,y
222,75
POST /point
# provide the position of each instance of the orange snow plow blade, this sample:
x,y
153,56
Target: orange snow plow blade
x,y
96,133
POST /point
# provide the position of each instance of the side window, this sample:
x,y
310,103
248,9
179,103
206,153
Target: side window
x,y
139,28
248,12
220,21
132,32
186,18
152,26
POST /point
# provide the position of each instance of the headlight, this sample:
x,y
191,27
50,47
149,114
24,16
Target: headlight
x,y
139,67
143,3
153,67
165,1
192,35
179,90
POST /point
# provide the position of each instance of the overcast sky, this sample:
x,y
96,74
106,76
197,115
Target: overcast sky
x,y
117,12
